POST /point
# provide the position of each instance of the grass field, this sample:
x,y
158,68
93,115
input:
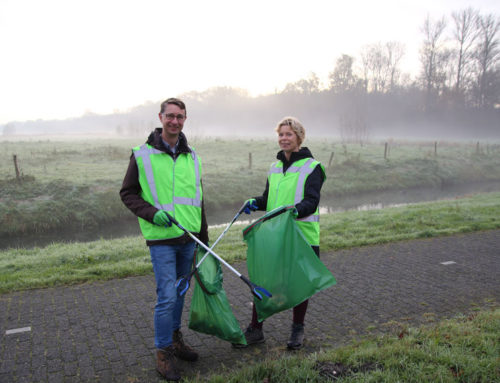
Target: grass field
x,y
75,184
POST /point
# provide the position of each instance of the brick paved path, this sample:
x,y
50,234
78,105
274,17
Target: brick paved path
x,y
104,331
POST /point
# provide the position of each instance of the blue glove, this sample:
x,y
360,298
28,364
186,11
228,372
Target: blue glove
x,y
161,218
251,205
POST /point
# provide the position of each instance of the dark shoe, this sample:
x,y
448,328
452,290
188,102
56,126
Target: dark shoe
x,y
297,337
165,364
183,351
253,336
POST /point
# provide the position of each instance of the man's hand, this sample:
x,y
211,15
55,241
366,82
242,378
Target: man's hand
x,y
161,218
251,205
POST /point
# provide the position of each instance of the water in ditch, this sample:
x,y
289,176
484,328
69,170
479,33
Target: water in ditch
x,y
368,201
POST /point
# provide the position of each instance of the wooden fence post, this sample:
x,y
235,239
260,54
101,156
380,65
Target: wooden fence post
x,y
435,148
477,148
385,151
331,159
250,160
18,174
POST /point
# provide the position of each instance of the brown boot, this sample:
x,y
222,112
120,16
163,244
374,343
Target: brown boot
x,y
182,350
165,364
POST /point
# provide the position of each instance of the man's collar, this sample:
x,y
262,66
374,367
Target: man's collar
x,y
167,145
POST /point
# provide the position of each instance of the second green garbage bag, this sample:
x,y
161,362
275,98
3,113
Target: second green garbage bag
x,y
210,311
279,258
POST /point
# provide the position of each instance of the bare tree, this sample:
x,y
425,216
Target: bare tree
x,y
381,65
342,78
375,67
353,125
350,100
395,52
487,55
304,86
465,34
434,58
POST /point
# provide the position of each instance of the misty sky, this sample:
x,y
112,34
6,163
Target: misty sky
x,y
62,58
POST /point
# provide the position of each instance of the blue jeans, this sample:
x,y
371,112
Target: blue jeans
x,y
169,263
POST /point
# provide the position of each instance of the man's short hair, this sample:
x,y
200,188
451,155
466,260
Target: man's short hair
x,y
175,101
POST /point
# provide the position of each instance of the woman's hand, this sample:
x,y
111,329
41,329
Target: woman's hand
x,y
251,205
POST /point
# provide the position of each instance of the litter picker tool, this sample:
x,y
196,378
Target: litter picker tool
x,y
186,279
253,287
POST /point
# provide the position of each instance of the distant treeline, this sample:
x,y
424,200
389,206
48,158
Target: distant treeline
x,y
350,116
456,94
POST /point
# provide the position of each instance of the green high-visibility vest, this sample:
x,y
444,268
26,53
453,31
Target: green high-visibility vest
x,y
288,189
174,186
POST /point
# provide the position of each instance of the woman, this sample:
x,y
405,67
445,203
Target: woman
x,y
284,178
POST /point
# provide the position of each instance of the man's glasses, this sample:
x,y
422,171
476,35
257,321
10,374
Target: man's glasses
x,y
171,116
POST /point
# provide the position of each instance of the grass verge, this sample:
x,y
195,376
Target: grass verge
x,y
462,349
62,264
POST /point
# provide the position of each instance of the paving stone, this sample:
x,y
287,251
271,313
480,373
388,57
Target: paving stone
x,y
70,369
54,365
87,373
57,377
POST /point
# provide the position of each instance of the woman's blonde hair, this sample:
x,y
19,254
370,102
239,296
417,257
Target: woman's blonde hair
x,y
295,125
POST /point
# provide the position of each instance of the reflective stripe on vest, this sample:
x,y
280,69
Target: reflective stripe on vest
x,y
286,188
144,153
304,172
171,185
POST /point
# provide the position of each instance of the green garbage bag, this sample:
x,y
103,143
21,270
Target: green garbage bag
x,y
210,312
280,259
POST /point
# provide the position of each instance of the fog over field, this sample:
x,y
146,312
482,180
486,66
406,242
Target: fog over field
x,y
227,112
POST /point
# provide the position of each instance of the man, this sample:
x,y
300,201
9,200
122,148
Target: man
x,y
164,175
